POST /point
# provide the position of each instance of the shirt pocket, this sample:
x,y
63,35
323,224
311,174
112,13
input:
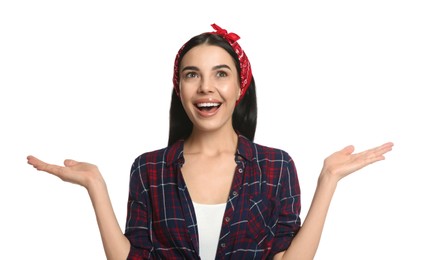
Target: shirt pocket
x,y
261,218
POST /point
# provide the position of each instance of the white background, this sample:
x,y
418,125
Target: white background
x,y
91,80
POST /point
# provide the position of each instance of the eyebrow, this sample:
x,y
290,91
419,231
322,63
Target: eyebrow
x,y
214,68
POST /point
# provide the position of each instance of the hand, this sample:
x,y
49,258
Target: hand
x,y
80,173
344,162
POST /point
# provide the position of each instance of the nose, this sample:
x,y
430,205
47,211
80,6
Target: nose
x,y
206,86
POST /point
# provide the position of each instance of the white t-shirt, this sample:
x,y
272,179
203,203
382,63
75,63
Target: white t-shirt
x,y
209,220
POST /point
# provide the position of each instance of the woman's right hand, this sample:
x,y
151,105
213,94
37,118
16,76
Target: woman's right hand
x,y
116,245
80,173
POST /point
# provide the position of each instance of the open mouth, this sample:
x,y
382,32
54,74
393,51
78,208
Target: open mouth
x,y
208,107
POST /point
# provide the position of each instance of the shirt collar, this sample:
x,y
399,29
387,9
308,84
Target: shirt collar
x,y
245,148
175,152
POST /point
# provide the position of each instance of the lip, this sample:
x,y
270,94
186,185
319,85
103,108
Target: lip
x,y
207,113
206,100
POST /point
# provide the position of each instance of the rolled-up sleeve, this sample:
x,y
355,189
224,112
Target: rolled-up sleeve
x,y
137,222
289,221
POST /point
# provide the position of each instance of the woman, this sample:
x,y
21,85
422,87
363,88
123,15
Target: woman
x,y
213,193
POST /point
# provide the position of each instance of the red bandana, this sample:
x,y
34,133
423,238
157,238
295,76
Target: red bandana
x,y
245,67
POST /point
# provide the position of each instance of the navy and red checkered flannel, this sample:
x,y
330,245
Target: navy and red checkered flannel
x,y
262,211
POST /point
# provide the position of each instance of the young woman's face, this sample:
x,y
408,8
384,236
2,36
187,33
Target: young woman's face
x,y
209,87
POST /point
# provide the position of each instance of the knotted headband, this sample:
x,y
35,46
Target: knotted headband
x,y
231,38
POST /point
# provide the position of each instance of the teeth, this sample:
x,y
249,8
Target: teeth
x,y
208,104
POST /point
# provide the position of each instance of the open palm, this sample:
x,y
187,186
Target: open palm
x,y
345,162
80,173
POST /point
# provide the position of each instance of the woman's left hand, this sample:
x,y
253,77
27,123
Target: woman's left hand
x,y
344,162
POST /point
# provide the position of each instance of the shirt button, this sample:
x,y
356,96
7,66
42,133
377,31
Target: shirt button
x,y
240,170
227,219
223,245
235,193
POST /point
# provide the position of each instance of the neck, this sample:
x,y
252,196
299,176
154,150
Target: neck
x,y
211,142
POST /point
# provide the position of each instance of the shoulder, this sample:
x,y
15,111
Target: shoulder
x,y
274,152
256,151
270,165
166,155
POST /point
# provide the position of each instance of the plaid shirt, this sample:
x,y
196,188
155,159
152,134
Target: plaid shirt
x,y
261,216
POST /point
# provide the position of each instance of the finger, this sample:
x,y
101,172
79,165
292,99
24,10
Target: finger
x,y
35,162
348,150
43,166
385,148
377,154
379,151
70,163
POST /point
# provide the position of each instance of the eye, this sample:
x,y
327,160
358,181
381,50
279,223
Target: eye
x,y
191,74
221,74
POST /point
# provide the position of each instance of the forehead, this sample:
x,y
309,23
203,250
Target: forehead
x,y
207,55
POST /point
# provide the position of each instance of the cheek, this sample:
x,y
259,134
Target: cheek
x,y
185,98
229,90
182,98
237,93
182,95
183,92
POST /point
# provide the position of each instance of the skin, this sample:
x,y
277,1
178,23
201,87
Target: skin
x,y
208,74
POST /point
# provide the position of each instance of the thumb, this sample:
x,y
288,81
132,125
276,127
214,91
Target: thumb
x,y
348,149
69,162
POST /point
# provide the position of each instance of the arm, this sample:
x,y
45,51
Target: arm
x,y
336,167
115,244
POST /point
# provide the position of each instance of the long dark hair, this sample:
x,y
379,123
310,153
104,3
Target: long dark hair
x,y
244,116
